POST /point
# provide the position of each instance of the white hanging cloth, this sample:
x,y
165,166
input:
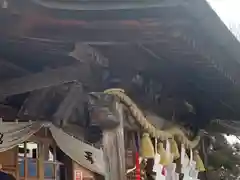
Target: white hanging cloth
x,y
13,133
83,153
158,168
171,172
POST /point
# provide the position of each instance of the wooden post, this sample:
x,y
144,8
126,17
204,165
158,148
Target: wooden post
x,y
25,162
113,147
41,162
17,163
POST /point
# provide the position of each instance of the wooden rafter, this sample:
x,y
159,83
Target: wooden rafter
x,y
34,106
83,52
87,58
7,113
45,79
57,104
68,104
107,5
12,66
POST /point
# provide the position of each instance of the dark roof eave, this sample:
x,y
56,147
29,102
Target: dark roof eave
x,y
215,28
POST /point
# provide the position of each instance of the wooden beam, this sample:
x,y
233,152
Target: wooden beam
x,y
34,106
83,52
61,104
69,103
113,148
7,64
45,79
115,5
8,113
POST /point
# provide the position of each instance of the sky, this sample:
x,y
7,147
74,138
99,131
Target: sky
x,y
228,11
232,139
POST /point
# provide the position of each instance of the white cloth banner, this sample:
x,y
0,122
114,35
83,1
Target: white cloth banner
x,y
84,154
12,133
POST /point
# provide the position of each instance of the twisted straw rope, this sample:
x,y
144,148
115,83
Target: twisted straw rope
x,y
148,127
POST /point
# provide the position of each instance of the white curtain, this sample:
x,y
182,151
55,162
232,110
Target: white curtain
x,y
12,133
83,153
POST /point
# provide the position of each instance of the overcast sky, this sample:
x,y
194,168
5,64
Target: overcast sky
x,y
229,12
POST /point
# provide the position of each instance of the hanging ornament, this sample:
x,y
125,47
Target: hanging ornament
x,y
183,152
184,160
174,149
164,171
147,149
199,163
191,157
159,169
164,157
168,151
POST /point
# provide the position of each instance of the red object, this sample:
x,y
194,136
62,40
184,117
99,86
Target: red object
x,y
164,173
78,175
138,173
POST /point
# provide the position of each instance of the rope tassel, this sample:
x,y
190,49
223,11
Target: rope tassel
x,y
174,149
147,149
164,158
199,163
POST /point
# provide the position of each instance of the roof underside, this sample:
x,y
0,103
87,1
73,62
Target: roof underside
x,y
180,49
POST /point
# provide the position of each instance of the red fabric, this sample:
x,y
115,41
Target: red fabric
x,y
164,173
138,173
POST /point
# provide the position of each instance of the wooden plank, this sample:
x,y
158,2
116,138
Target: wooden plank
x,y
114,150
25,162
8,113
39,139
45,79
115,5
41,162
34,105
17,164
58,104
83,52
68,104
14,67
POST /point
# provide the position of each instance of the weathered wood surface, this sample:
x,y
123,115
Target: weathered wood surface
x,y
101,110
69,103
7,113
60,104
35,105
114,150
16,70
45,79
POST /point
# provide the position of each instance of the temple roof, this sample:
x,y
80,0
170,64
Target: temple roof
x,y
166,54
